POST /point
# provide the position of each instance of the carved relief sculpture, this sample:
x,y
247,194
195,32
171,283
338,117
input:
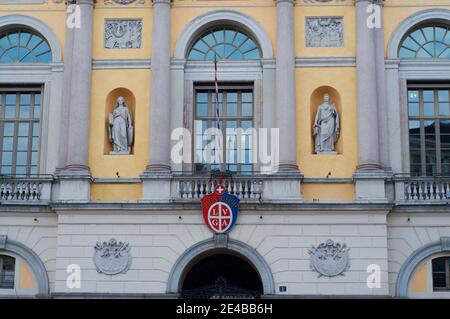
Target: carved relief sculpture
x,y
330,259
326,127
112,257
123,34
120,128
324,32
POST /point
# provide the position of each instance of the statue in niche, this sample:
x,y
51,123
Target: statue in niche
x,y
120,128
326,127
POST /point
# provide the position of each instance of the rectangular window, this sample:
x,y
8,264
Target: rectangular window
x,y
429,130
20,113
441,273
235,114
7,272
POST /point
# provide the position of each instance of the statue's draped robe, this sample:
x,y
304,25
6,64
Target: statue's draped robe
x,y
119,129
327,121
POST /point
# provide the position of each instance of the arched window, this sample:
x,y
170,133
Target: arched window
x,y
23,46
225,43
426,42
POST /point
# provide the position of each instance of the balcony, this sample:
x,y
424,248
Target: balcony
x,y
35,190
421,190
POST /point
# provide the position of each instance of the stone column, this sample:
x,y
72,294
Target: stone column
x,y
157,175
285,113
159,139
285,186
381,94
75,175
369,176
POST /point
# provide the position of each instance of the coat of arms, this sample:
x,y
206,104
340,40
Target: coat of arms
x,y
330,259
112,257
220,210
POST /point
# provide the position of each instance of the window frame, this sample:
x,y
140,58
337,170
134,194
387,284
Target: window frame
x,y
436,117
239,87
447,274
36,89
2,254
210,31
421,27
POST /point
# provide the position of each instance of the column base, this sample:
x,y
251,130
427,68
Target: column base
x,y
74,184
283,188
370,185
157,187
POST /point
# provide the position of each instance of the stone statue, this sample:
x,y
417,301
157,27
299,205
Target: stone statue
x,y
121,128
326,127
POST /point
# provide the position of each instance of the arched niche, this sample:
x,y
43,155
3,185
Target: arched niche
x,y
316,101
111,101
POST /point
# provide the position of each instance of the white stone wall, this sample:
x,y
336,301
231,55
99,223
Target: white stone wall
x,y
408,232
39,235
157,240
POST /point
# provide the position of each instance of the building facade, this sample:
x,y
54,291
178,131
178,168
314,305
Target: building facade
x,y
94,95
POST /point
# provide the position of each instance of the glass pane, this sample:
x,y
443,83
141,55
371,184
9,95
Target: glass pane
x,y
445,170
22,144
443,96
21,170
34,158
445,157
406,54
416,170
414,141
6,170
413,109
7,272
444,108
247,109
8,129
430,127
22,158
413,96
232,109
414,156
33,170
438,266
10,110
202,97
36,129
445,141
7,158
428,96
430,141
445,126
7,143
202,109
414,127
23,129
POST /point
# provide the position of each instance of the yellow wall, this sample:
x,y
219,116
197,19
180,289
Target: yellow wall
x,y
329,192
318,166
103,82
51,14
116,192
26,278
301,12
100,14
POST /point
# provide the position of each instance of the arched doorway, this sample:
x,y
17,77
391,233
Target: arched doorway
x,y
220,274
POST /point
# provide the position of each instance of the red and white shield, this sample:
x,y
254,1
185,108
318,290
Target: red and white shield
x,y
220,217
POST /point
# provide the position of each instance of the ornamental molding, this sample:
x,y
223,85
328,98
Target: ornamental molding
x,y
330,259
112,257
123,2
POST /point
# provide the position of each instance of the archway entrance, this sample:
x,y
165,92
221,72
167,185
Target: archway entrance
x,y
221,275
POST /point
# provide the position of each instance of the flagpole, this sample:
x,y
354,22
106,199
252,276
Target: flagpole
x,y
217,115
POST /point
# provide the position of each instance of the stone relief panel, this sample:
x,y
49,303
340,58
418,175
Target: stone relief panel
x,y
123,34
330,259
112,257
323,32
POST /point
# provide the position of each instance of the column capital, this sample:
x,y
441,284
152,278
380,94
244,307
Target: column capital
x,y
168,2
88,2
379,2
282,1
